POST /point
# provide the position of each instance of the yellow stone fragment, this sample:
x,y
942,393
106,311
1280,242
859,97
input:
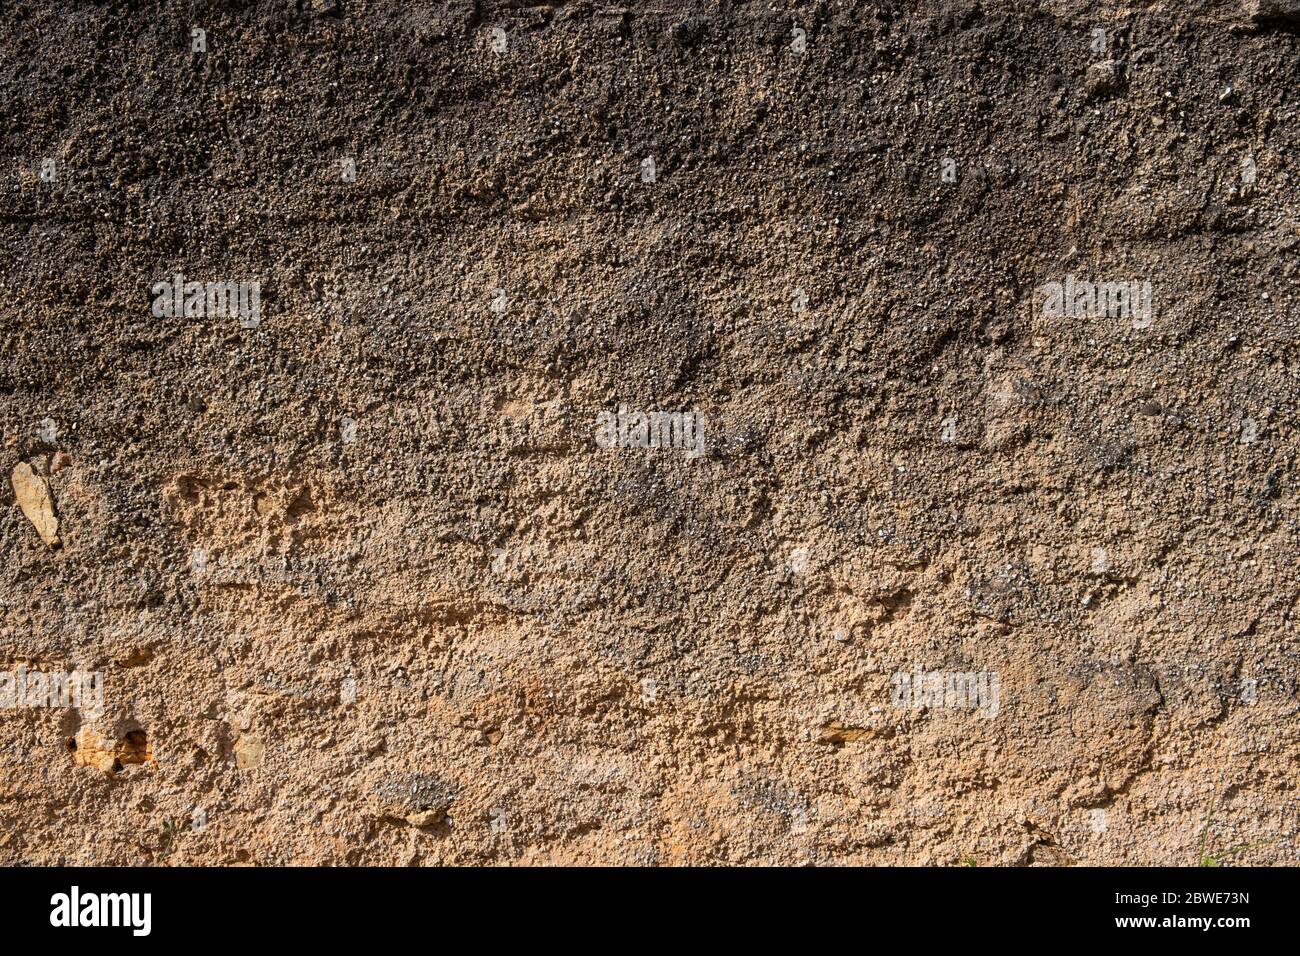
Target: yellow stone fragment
x,y
33,494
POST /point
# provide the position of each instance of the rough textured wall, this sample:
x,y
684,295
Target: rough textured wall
x,y
977,542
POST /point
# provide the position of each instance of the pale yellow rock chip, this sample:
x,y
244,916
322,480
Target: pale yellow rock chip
x,y
33,494
90,749
424,818
249,752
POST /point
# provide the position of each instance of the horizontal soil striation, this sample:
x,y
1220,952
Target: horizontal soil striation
x,y
365,589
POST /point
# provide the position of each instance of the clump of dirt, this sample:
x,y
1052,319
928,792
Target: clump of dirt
x,y
943,357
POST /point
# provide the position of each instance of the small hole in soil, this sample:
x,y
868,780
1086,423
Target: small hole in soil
x,y
72,744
